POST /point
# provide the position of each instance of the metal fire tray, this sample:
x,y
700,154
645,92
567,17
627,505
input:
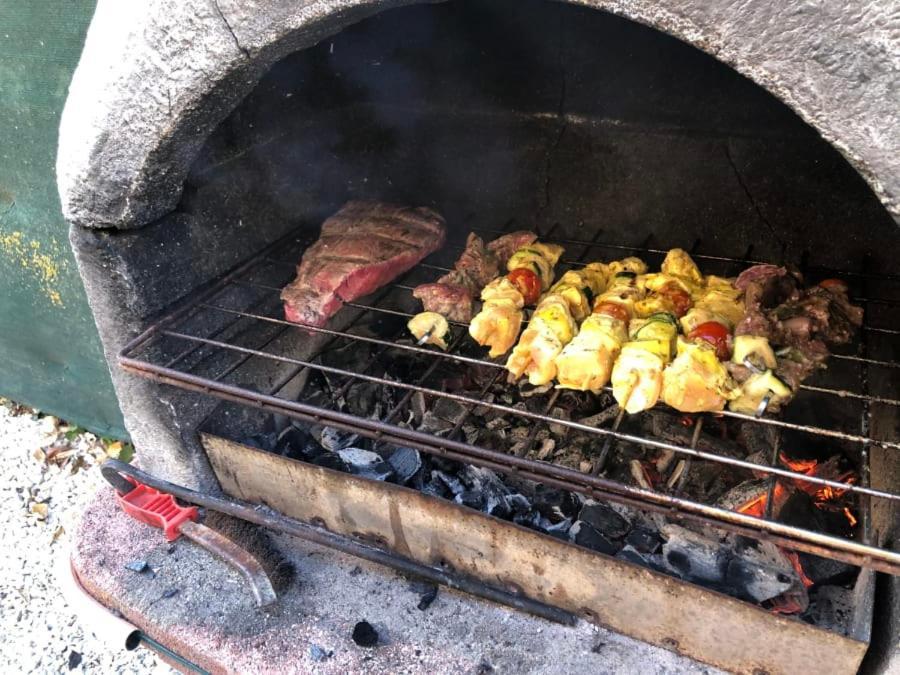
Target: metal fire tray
x,y
216,340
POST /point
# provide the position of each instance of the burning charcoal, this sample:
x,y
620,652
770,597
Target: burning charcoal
x,y
693,556
406,463
584,535
604,519
366,464
825,571
643,539
296,443
365,635
751,581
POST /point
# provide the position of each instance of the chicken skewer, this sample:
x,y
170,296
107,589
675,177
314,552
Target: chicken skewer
x,y
554,323
498,323
637,376
586,362
698,380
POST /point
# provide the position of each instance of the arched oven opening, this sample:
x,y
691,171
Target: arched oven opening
x,y
605,136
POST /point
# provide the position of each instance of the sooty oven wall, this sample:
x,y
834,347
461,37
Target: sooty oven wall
x,y
488,111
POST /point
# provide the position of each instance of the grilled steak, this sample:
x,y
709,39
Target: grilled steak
x,y
452,294
361,248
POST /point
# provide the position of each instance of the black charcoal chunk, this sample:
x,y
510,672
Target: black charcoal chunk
x,y
366,464
264,441
651,560
559,530
585,535
427,598
605,519
453,484
692,556
750,580
643,539
518,504
406,463
74,659
334,439
825,571
364,634
329,460
470,498
296,443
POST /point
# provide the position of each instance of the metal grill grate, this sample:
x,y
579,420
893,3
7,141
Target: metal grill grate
x,y
212,341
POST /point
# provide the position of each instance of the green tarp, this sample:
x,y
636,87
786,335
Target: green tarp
x,y
50,354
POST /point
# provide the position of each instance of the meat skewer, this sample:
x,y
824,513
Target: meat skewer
x,y
452,294
637,376
585,364
554,323
498,323
697,380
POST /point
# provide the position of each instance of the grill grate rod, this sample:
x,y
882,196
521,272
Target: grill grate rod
x,y
496,364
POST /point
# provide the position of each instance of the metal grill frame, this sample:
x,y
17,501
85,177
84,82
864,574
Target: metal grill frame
x,y
862,553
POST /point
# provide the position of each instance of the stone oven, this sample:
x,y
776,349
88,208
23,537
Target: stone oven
x,y
203,143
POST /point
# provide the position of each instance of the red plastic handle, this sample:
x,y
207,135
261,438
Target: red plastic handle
x,y
156,508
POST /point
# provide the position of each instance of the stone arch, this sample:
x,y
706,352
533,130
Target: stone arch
x,y
144,99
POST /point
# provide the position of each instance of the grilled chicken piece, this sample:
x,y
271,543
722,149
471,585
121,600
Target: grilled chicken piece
x,y
718,301
498,323
678,263
696,381
550,329
637,374
555,323
429,328
586,363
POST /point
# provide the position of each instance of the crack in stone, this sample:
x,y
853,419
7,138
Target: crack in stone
x,y
237,43
753,202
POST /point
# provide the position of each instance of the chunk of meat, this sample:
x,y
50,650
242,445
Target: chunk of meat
x,y
361,248
453,293
503,247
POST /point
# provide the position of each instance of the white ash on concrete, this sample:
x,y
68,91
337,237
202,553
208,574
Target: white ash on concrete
x,y
310,630
40,505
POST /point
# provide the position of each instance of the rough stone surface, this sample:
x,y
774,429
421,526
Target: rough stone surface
x,y
155,79
213,620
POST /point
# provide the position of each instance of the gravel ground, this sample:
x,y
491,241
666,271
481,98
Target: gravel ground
x,y
48,472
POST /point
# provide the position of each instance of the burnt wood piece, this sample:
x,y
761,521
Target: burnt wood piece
x,y
361,248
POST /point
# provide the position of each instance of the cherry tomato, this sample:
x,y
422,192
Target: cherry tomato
x,y
613,309
678,297
833,285
528,283
715,334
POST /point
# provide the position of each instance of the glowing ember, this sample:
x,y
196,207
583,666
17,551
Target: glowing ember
x,y
850,517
